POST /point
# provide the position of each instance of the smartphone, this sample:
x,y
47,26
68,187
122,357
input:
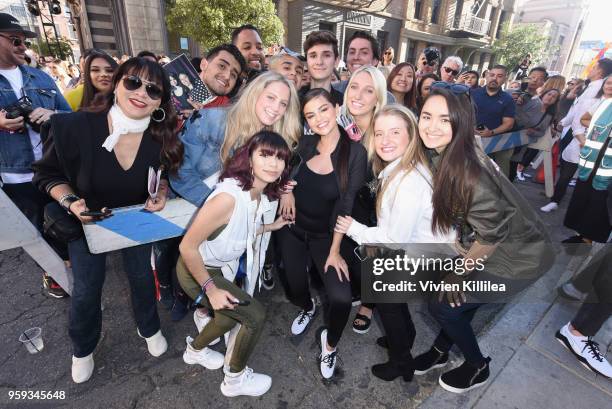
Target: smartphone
x,y
96,213
243,303
480,127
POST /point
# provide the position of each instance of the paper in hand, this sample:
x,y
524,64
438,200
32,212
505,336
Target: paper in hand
x,y
153,182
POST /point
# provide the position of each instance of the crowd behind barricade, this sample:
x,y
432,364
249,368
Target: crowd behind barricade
x,y
294,167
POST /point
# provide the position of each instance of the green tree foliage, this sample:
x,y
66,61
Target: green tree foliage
x,y
52,49
210,22
516,42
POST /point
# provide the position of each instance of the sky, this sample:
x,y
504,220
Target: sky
x,y
598,25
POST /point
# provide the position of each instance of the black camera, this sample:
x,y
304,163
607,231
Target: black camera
x,y
22,107
432,56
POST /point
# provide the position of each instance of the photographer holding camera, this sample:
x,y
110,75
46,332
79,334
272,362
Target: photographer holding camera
x,y
28,98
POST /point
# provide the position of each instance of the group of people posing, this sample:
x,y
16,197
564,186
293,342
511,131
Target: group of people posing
x,y
293,176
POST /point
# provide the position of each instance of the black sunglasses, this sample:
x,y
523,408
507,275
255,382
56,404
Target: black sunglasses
x,y
457,89
133,82
16,41
450,70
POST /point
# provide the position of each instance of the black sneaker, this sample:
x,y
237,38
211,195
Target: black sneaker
x,y
432,359
465,377
52,288
267,278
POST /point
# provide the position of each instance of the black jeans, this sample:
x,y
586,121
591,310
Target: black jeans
x,y
32,203
400,332
457,329
89,271
297,247
566,172
597,307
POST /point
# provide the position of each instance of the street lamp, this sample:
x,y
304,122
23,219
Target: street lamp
x,y
54,8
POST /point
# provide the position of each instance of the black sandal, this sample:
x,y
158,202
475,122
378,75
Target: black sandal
x,y
361,328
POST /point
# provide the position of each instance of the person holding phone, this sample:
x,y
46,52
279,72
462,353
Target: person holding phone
x,y
230,223
131,129
404,211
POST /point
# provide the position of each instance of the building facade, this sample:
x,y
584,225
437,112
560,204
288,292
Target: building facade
x,y
562,21
466,28
63,23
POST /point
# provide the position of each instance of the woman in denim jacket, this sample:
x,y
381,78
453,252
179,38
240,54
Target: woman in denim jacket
x,y
210,135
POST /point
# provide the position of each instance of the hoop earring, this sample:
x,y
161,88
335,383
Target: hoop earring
x,y
158,115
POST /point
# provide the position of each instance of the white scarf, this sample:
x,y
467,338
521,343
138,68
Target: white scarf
x,y
122,125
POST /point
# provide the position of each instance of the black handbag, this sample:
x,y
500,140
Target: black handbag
x,y
60,225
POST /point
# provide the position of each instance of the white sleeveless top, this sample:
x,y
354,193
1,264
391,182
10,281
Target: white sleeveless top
x,y
240,235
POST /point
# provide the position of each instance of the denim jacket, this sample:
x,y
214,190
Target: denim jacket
x,y
202,137
16,154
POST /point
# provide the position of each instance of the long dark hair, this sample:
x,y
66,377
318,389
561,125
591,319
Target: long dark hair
x,y
164,132
344,142
410,97
459,167
419,96
601,90
239,165
89,91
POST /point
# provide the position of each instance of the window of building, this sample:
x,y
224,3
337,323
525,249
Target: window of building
x,y
326,25
19,12
435,10
561,40
410,57
500,25
383,38
417,9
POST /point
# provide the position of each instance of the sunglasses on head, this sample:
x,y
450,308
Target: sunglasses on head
x,y
457,89
133,82
16,41
450,70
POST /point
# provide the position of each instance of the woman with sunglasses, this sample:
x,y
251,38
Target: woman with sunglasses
x,y
97,79
401,82
131,130
331,170
230,223
496,227
403,208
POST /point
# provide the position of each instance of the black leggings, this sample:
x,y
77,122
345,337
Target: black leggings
x,y
565,175
298,248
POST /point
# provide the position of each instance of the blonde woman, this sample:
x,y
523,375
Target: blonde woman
x,y
365,96
404,214
211,135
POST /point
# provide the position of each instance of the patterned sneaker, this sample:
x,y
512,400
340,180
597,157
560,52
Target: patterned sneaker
x,y
465,377
267,278
52,288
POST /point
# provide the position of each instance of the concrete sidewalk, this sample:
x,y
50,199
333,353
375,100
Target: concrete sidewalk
x,y
530,369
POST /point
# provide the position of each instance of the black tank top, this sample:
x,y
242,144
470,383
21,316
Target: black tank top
x,y
315,197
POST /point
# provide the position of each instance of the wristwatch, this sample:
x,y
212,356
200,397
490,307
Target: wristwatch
x,y
68,199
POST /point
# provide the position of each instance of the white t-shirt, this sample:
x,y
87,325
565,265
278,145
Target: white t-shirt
x,y
15,79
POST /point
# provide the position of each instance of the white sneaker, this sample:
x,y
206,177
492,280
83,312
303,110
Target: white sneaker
x,y
303,319
82,368
206,357
549,207
201,321
519,176
568,290
156,344
327,358
247,383
586,350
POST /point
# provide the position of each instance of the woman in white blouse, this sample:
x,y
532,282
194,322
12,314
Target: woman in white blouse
x,y
404,212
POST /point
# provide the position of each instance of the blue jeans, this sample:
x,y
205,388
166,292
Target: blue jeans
x,y
457,329
89,271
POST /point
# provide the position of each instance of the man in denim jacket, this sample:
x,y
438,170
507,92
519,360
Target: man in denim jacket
x,y
19,144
